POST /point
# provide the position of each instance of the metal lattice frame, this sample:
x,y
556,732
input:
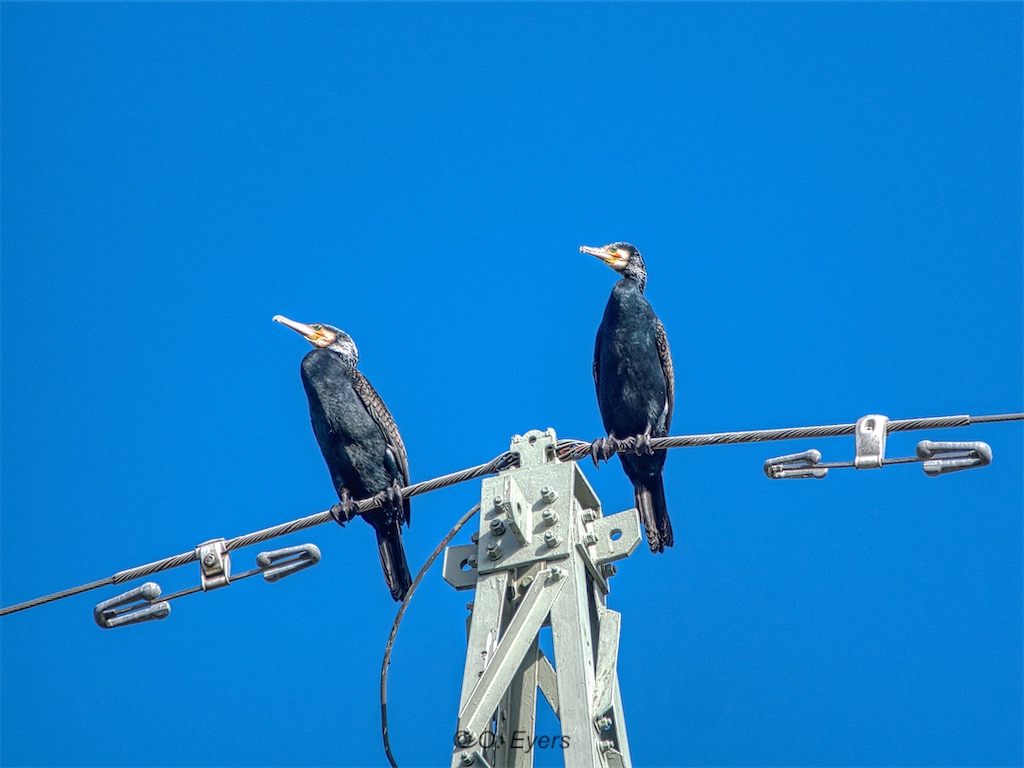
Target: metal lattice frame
x,y
542,557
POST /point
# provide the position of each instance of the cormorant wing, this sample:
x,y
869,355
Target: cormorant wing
x,y
665,355
386,423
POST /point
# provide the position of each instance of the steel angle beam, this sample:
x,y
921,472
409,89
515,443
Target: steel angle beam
x,y
607,653
517,713
548,682
507,657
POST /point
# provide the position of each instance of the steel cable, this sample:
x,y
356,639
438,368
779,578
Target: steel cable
x,y
567,450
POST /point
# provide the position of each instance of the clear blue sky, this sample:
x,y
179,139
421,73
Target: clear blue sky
x,y
829,201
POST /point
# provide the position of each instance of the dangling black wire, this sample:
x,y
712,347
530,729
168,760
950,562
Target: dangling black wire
x,y
398,620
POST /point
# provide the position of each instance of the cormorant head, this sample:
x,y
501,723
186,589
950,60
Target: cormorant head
x,y
624,258
323,336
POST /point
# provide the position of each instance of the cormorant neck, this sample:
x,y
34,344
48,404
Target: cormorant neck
x,y
347,360
637,278
336,356
636,271
345,348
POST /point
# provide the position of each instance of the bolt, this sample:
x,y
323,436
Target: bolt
x,y
465,738
525,582
589,516
556,574
469,606
551,539
209,560
494,550
498,501
604,723
549,494
590,538
606,746
475,536
466,758
549,516
608,570
497,527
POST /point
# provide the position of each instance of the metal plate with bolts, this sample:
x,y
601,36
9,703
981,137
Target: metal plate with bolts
x,y
538,495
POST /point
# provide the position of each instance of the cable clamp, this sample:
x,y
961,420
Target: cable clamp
x,y
795,465
214,564
279,563
869,436
117,611
964,456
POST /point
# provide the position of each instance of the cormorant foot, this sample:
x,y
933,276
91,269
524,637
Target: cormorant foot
x,y
382,497
394,495
642,444
603,449
344,511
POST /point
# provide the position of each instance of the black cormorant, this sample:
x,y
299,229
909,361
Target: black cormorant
x,y
359,441
635,384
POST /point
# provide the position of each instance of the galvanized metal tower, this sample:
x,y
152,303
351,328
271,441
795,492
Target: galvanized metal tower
x,y
542,556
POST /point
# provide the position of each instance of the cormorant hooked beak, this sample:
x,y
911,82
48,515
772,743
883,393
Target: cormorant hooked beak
x,y
615,257
315,334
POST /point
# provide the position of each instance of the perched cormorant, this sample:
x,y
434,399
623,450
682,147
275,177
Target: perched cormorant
x,y
635,384
359,441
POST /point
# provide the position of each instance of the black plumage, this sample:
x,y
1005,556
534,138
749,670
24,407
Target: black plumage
x,y
635,384
359,441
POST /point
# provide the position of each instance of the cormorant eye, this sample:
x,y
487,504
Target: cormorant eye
x,y
318,327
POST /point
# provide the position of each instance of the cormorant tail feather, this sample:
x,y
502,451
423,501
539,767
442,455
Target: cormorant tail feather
x,y
650,502
392,561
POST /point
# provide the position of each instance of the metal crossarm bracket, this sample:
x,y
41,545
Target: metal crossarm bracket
x,y
605,539
118,611
616,536
460,566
